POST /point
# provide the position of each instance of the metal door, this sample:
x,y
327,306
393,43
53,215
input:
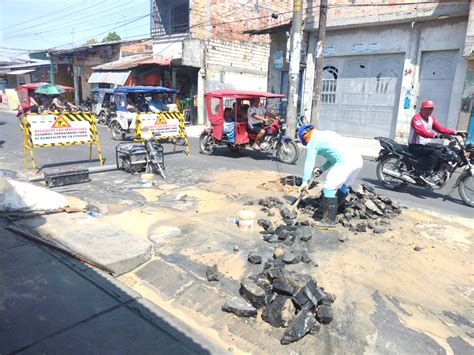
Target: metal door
x,y
360,95
436,81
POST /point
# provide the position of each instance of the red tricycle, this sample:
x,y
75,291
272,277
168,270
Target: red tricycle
x,y
227,113
25,94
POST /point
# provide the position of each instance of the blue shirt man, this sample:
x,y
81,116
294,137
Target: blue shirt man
x,y
155,104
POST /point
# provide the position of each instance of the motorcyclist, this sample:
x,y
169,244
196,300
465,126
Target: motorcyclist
x,y
424,127
342,162
257,117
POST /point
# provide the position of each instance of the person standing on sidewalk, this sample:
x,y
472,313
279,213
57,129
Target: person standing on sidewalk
x,y
343,164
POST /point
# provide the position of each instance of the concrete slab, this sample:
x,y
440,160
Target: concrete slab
x,y
39,295
91,238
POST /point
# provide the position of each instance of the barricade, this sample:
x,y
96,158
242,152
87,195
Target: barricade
x,y
163,125
59,129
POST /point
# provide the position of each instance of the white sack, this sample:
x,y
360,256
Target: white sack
x,y
21,196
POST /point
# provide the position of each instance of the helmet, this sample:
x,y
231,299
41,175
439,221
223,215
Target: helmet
x,y
428,104
302,131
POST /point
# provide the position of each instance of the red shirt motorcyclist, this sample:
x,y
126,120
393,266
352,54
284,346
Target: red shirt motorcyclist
x,y
424,127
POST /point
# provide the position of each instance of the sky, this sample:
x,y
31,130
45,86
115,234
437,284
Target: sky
x,y
41,24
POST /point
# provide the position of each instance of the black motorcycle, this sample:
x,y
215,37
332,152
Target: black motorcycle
x,y
396,167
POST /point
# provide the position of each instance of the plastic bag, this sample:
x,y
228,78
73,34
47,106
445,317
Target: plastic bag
x,y
22,196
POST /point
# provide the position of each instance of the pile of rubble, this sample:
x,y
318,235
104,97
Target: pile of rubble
x,y
287,299
364,209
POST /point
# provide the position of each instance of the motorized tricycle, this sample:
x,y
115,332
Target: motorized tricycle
x,y
25,93
220,101
124,120
103,105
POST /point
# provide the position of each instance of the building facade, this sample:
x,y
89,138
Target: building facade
x,y
206,46
381,60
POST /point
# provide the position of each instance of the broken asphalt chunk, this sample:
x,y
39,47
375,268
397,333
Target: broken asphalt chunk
x,y
324,314
253,293
279,312
239,307
290,258
304,258
254,258
213,273
288,214
272,238
299,327
266,225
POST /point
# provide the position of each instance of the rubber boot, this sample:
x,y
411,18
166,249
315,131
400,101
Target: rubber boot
x,y
329,206
341,201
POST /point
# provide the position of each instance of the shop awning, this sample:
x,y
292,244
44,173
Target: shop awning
x,y
115,77
133,62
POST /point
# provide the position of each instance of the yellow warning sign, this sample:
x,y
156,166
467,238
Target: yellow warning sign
x,y
61,122
160,120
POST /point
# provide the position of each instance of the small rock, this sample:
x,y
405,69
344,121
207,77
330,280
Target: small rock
x,y
304,258
271,238
330,297
290,258
304,322
372,207
324,314
288,214
236,249
279,312
254,258
273,263
361,227
266,224
213,273
239,307
278,252
418,248
379,230
270,213
368,187
249,203
253,293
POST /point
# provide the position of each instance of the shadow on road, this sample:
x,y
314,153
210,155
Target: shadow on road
x,y
418,192
52,302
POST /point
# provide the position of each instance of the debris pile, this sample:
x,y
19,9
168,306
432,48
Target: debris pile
x,y
288,184
364,209
287,299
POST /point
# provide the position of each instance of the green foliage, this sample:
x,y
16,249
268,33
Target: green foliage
x,y
112,36
92,41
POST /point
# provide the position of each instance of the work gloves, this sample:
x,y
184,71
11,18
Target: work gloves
x,y
304,185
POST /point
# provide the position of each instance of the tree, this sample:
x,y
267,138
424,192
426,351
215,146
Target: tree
x,y
92,41
112,36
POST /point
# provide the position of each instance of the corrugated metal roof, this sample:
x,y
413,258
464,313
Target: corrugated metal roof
x,y
20,72
117,77
133,61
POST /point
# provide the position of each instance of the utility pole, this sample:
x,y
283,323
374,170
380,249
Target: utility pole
x,y
294,72
318,80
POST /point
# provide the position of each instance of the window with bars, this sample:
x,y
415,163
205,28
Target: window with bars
x,y
169,17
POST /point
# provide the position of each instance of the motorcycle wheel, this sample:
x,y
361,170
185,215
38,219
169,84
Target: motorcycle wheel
x,y
117,133
287,152
395,163
234,148
102,118
206,144
466,190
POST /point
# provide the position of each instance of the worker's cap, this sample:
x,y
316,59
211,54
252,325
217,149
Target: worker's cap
x,y
428,104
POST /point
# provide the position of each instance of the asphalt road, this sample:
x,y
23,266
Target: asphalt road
x,y
11,157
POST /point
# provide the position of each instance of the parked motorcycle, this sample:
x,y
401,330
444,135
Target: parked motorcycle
x,y
274,142
396,167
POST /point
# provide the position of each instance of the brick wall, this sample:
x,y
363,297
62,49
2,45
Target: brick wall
x,y
230,18
241,55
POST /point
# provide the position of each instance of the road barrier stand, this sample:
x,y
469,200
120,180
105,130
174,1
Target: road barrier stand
x,y
163,125
59,129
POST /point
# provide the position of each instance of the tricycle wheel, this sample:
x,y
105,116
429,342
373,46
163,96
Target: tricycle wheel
x,y
117,132
234,148
102,118
287,152
206,144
